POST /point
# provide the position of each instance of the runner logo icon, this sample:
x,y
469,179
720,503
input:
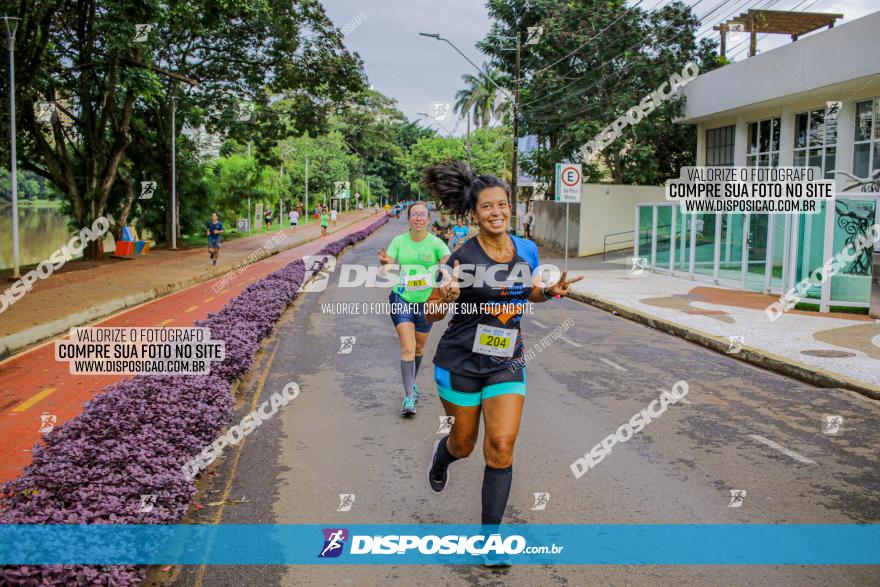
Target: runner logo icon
x,y
346,500
346,344
736,498
832,424
541,501
334,541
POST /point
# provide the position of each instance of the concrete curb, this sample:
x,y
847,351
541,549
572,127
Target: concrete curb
x,y
759,357
21,340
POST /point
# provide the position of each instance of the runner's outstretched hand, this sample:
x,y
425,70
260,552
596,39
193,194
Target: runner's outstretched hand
x,y
384,259
563,286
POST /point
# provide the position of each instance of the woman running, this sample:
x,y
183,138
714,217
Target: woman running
x,y
477,364
325,218
460,233
417,252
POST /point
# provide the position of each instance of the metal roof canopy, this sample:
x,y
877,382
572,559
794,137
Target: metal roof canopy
x,y
776,22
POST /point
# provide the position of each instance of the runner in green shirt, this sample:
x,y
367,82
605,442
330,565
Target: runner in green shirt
x,y
325,218
417,252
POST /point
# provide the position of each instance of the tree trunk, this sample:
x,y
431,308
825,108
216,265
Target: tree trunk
x,y
126,208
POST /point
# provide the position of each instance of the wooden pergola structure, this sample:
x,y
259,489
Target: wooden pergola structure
x,y
776,22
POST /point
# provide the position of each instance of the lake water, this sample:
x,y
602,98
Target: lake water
x,y
41,231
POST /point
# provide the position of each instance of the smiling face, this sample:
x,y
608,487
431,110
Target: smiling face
x,y
493,211
418,216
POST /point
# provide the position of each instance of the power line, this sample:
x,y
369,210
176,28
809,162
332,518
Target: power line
x,y
550,106
570,115
583,90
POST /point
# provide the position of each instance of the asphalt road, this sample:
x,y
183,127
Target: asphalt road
x,y
742,428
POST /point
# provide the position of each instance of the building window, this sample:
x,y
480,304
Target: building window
x,y
815,140
866,146
719,146
763,145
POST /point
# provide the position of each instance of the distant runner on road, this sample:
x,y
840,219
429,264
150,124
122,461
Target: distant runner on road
x,y
325,218
267,216
460,233
476,365
417,252
214,229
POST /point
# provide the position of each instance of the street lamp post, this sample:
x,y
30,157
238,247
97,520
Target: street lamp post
x,y
306,216
281,195
11,27
514,99
173,173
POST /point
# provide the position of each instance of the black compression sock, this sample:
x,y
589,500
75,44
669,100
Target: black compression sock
x,y
418,364
496,489
443,458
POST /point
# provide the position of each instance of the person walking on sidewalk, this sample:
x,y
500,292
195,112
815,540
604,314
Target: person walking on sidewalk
x,y
325,218
477,364
333,216
294,218
417,252
528,221
214,229
267,217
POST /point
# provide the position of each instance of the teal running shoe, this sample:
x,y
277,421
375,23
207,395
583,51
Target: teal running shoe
x,y
409,406
415,392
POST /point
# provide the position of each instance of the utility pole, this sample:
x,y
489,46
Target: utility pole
x,y
515,169
468,142
173,173
307,213
11,27
249,199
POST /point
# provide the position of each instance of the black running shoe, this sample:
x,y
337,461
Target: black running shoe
x,y
436,478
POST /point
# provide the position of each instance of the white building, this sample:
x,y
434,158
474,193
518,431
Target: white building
x,y
780,108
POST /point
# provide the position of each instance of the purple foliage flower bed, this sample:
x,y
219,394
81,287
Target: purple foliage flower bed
x,y
133,439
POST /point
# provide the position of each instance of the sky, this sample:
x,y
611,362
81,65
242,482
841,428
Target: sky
x,y
418,71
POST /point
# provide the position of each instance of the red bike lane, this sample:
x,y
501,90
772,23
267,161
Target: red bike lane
x,y
34,386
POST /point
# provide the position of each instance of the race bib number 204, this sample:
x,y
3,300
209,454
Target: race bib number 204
x,y
494,341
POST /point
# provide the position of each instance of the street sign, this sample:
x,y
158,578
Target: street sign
x,y
568,182
342,189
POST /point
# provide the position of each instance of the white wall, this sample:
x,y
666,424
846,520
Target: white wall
x,y
604,209
842,54
608,209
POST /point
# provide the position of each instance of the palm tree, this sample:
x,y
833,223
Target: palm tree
x,y
480,96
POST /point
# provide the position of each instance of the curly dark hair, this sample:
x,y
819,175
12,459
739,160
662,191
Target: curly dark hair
x,y
457,186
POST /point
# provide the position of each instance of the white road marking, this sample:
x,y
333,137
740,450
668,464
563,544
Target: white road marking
x,y
538,324
782,449
612,364
570,341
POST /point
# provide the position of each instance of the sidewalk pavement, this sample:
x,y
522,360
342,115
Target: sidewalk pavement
x,y
34,386
829,350
83,291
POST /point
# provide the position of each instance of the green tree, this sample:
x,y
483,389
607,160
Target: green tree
x,y
111,89
480,97
428,151
577,80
